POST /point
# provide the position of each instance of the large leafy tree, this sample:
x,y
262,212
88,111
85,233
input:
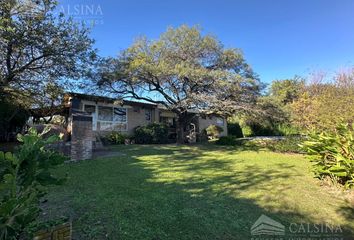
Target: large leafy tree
x,y
324,105
38,47
183,70
287,91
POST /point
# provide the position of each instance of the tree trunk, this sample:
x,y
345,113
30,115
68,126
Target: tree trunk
x,y
179,131
181,122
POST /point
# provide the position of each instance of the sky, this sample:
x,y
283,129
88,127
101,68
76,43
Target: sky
x,y
279,38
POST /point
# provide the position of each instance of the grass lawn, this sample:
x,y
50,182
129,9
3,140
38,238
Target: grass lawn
x,y
193,192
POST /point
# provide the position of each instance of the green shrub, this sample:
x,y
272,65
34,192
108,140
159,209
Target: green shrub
x,y
117,138
234,129
333,154
262,130
12,119
229,141
213,131
152,133
287,130
247,131
23,177
251,128
287,145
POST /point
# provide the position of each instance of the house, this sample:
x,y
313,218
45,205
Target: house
x,y
124,116
86,118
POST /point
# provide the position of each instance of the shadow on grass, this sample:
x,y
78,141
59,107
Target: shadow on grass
x,y
171,198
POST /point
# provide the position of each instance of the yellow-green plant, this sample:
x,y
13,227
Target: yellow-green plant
x,y
23,177
333,154
213,131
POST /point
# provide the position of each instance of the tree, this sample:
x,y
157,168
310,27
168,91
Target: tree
x,y
323,105
48,102
286,91
183,70
36,47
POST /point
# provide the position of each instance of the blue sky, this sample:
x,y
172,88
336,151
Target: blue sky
x,y
279,38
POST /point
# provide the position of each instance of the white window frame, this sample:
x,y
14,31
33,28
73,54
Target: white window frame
x,y
95,118
114,122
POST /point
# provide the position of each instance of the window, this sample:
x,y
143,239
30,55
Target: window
x,y
148,115
120,115
105,113
90,108
220,121
112,118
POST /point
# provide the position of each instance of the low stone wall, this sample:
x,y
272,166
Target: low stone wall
x,y
60,232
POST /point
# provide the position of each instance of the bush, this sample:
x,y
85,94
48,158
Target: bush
x,y
247,131
287,130
117,138
23,177
251,129
287,145
12,119
229,141
213,131
234,129
333,154
152,133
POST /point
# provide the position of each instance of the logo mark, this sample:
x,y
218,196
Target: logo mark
x,y
267,226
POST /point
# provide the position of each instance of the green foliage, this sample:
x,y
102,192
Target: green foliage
x,y
23,177
40,47
213,131
333,154
273,116
152,133
258,129
287,130
265,121
12,118
286,91
234,129
117,138
247,131
229,141
287,145
204,73
255,127
252,128
323,106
